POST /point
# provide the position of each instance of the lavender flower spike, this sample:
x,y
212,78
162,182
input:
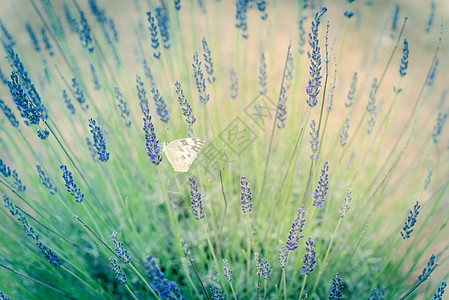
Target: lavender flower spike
x,y
309,258
337,288
245,195
227,270
313,87
122,253
320,192
195,200
99,141
151,142
411,220
295,231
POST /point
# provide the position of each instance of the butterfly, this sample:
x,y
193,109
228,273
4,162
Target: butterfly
x,y
181,153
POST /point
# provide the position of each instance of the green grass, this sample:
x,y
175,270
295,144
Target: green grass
x,y
386,166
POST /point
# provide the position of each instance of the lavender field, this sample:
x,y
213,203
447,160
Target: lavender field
x,y
242,149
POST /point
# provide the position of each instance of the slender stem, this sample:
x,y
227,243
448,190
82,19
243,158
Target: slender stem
x,y
303,286
37,281
323,264
274,125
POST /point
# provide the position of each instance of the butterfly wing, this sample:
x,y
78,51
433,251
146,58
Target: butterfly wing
x,y
181,153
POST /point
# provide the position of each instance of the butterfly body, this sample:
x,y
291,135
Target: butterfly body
x,y
182,152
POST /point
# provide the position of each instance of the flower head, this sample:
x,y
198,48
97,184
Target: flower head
x,y
282,254
26,107
234,84
265,269
282,108
337,288
263,74
122,253
46,180
165,288
185,107
245,195
124,112
163,23
154,38
84,33
320,192
404,59
195,200
314,141
309,258
99,141
296,229
208,63
428,270
161,105
227,272
439,294
79,94
199,79
352,90
120,276
151,142
371,107
215,294
70,185
411,220
313,87
344,209
9,114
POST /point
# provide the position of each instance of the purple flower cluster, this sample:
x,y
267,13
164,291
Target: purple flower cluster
x,y
314,84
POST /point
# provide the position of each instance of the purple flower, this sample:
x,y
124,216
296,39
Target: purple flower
x,y
70,185
439,294
309,258
195,200
263,74
337,288
215,294
154,38
282,254
371,107
344,209
9,114
313,87
185,107
122,253
227,272
245,195
282,109
84,33
296,229
99,141
314,141
352,90
124,112
265,269
165,288
46,180
404,59
320,192
151,142
161,105
117,270
199,79
209,65
26,107
411,220
428,270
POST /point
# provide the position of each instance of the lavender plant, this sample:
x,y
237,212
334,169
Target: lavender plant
x,y
73,110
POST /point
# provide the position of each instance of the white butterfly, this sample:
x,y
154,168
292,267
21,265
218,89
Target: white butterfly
x,y
181,153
